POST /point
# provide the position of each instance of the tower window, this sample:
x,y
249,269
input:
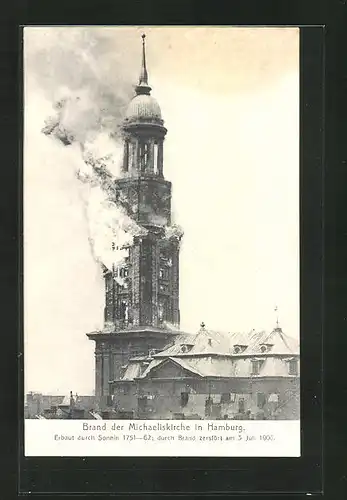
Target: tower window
x,y
163,288
144,156
155,158
124,310
124,272
108,283
163,273
162,309
131,153
126,156
161,312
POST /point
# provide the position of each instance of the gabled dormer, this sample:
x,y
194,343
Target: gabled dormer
x,y
186,347
265,347
239,348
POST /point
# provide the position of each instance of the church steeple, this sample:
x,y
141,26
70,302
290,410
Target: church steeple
x,y
143,87
144,132
141,295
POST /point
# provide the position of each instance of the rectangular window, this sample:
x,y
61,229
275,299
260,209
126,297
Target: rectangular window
x,y
124,272
256,365
164,273
142,404
184,399
241,405
208,406
161,312
225,398
293,367
261,399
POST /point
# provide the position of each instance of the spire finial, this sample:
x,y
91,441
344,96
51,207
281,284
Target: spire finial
x,y
277,322
143,87
143,80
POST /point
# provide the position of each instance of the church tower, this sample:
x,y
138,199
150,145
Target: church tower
x,y
141,295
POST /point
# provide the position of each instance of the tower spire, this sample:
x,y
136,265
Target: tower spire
x,y
143,74
143,87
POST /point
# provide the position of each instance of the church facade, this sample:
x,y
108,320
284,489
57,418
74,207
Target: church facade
x,y
145,367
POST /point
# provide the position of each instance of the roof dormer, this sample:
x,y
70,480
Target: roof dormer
x,y
186,347
239,348
265,347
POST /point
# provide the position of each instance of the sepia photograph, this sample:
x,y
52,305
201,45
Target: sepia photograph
x,y
161,227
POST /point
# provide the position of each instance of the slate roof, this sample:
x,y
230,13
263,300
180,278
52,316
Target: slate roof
x,y
223,343
202,366
211,354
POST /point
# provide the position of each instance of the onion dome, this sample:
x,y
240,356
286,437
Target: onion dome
x,y
143,107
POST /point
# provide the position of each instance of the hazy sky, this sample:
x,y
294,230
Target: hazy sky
x,y
230,101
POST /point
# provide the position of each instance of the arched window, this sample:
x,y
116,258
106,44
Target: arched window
x,y
126,156
144,156
131,154
124,310
155,158
161,312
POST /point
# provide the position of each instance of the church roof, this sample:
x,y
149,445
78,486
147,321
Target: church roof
x,y
212,353
205,360
205,366
223,343
218,366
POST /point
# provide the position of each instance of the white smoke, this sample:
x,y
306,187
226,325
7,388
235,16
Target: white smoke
x,y
110,227
89,100
174,232
89,83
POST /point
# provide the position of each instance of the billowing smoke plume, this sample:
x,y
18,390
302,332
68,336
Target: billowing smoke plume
x,y
173,232
110,227
88,108
86,75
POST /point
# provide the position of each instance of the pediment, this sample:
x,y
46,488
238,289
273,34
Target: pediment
x,y
170,368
